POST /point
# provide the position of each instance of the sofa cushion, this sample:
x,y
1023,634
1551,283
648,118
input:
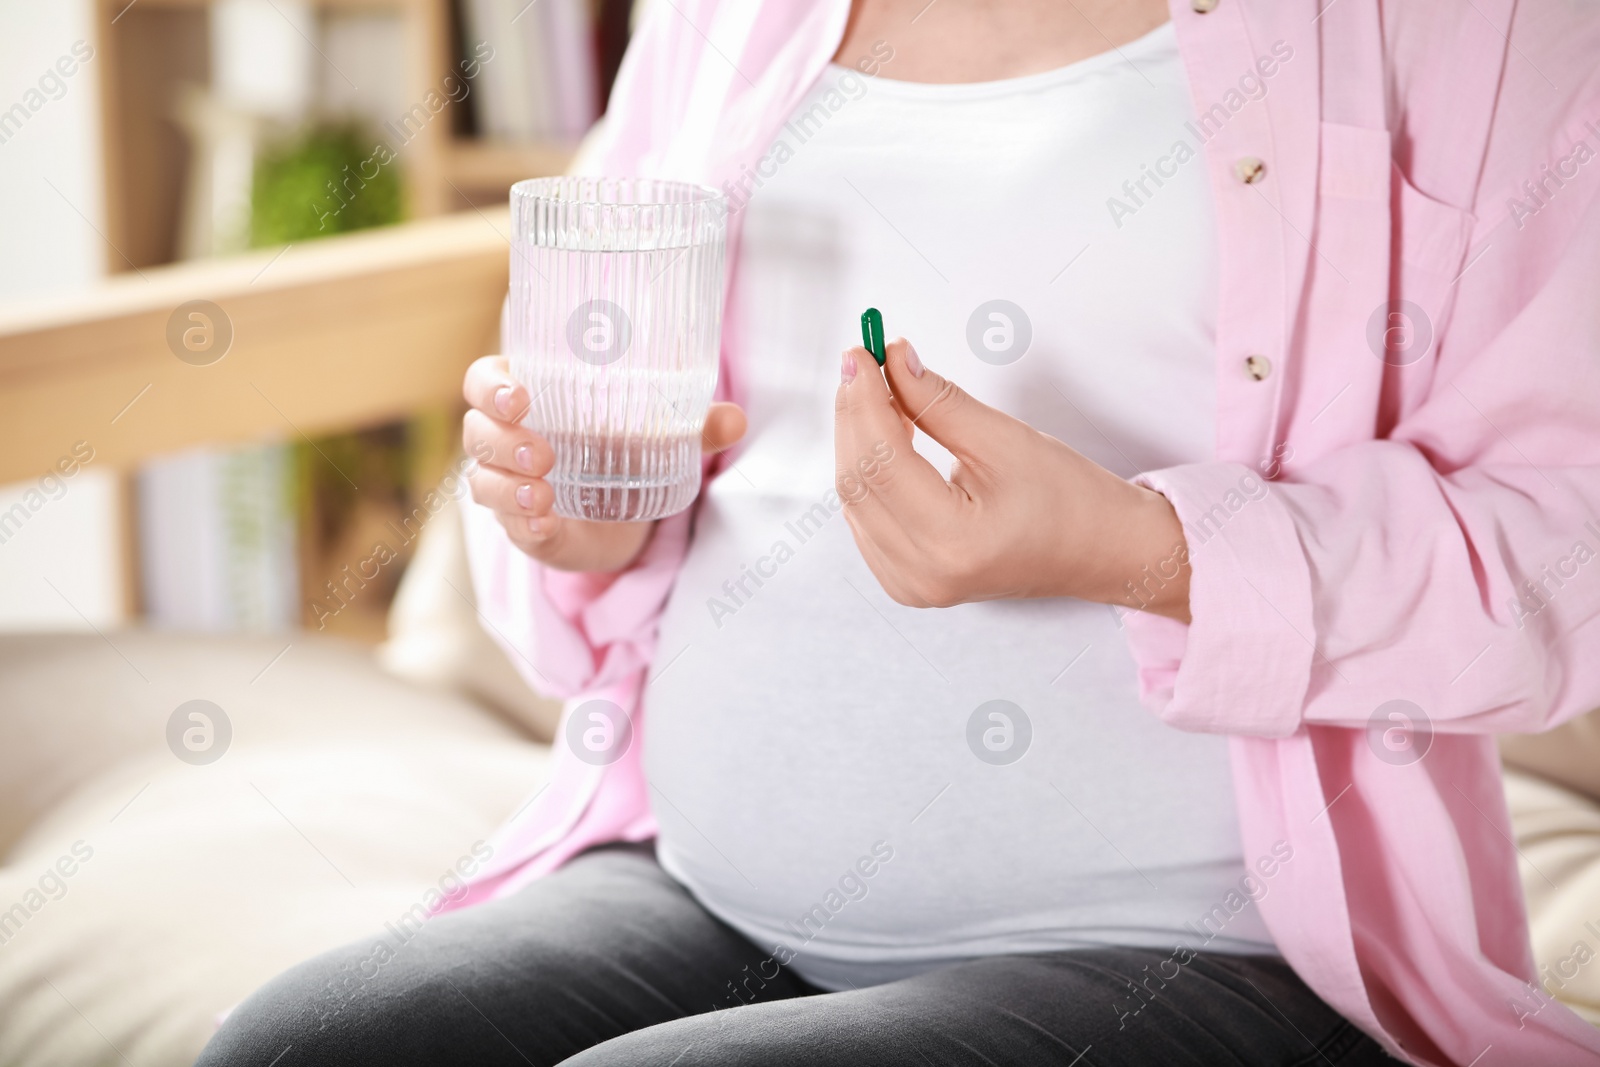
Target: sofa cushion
x,y
144,890
1558,845
1569,755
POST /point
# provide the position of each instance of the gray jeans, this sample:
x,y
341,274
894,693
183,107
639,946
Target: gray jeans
x,y
610,962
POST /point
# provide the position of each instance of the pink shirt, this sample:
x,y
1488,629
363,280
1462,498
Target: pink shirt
x,y
1435,469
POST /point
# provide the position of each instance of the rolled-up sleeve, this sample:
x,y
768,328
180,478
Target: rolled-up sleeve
x,y
1244,664
1453,564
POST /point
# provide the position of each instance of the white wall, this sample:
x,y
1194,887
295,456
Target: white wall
x,y
48,241
45,243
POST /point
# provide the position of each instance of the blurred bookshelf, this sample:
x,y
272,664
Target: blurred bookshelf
x,y
222,121
152,50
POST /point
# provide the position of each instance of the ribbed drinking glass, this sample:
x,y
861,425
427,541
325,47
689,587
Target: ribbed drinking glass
x,y
615,331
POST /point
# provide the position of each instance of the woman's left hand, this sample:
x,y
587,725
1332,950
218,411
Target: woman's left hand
x,y
1022,515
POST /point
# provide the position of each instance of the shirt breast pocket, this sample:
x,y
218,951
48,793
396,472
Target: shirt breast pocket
x,y
1429,259
1407,246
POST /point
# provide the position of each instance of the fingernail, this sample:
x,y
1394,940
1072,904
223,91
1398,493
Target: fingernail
x,y
524,457
524,496
537,526
913,361
502,400
847,369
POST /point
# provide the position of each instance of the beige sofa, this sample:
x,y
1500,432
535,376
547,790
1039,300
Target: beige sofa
x,y
141,895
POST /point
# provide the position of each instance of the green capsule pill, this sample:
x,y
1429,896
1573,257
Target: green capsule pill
x,y
872,334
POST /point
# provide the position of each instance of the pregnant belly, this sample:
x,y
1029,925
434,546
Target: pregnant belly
x,y
989,763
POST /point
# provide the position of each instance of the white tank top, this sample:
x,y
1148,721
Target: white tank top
x,y
990,765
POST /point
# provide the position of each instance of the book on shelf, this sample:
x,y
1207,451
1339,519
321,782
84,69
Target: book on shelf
x,y
217,540
541,83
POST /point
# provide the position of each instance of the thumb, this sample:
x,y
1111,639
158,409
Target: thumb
x,y
725,425
967,428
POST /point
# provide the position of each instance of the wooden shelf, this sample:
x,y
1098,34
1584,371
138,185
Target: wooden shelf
x,y
151,49
477,166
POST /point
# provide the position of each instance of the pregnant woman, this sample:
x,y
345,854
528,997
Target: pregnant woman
x,y
1109,679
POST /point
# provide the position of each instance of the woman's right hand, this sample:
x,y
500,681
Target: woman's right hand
x,y
512,463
